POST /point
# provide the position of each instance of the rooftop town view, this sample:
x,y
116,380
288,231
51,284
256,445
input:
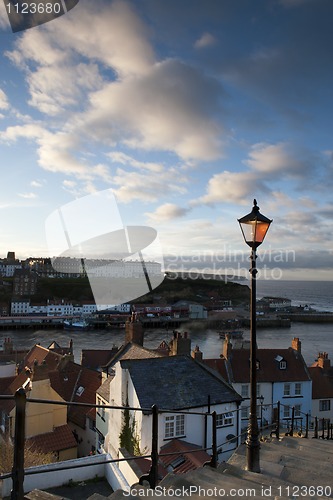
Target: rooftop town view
x,y
154,340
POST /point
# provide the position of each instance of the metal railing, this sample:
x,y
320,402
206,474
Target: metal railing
x,y
298,424
18,472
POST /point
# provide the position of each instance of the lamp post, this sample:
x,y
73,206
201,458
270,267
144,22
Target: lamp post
x,y
254,227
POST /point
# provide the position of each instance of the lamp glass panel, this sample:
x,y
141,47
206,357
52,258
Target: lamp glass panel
x,y
261,230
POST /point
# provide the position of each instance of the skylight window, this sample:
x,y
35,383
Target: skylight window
x,y
79,391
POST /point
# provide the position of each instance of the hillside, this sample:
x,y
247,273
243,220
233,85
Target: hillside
x,y
197,290
171,290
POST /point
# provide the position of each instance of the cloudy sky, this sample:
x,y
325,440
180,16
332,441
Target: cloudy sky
x,y
187,110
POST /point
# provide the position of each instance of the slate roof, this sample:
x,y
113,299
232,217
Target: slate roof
x,y
104,389
132,351
177,382
237,368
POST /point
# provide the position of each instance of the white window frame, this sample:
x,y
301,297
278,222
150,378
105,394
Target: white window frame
x,y
174,426
298,389
224,419
324,405
286,411
286,389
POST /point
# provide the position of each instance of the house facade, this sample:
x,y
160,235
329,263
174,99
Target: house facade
x,y
180,387
321,373
46,428
282,375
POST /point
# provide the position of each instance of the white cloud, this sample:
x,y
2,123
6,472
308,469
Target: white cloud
x,y
55,151
166,212
233,187
206,40
36,184
146,187
4,104
28,196
169,108
124,159
278,158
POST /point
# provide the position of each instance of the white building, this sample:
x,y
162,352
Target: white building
x,y
180,385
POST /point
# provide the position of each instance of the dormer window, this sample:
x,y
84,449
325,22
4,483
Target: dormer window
x,y
282,362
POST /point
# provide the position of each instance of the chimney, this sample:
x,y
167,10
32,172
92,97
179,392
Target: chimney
x,y
40,372
323,361
296,344
133,330
227,347
196,353
180,344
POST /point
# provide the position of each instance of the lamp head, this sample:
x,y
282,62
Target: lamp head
x,y
254,226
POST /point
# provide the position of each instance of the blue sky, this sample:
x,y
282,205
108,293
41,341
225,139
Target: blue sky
x,y
187,110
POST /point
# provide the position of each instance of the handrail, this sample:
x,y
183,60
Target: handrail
x,y
20,399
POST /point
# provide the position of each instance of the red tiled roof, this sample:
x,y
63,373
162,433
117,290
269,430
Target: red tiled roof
x,y
61,438
38,354
66,382
95,358
237,367
190,461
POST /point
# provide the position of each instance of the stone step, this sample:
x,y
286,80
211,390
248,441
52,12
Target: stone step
x,y
286,465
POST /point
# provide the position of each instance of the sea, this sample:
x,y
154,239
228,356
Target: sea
x,y
315,337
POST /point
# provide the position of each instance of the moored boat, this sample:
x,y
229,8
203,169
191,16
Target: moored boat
x,y
75,324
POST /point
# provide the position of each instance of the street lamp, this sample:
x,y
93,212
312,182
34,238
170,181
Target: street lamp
x,y
254,227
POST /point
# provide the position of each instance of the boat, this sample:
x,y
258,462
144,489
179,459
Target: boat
x,y
234,334
75,324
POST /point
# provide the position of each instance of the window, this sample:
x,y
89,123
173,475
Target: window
x,y
298,389
174,426
224,419
286,390
324,405
245,391
283,365
286,411
297,410
244,412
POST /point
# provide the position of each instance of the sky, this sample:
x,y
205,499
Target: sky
x,y
186,110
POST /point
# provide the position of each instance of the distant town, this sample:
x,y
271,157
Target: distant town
x,y
119,385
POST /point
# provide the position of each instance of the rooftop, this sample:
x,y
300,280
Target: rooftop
x,y
177,382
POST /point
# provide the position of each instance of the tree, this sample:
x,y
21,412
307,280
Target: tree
x,y
32,457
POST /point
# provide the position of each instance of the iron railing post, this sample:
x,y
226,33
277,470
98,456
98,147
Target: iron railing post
x,y
213,462
17,492
152,476
292,421
315,435
307,426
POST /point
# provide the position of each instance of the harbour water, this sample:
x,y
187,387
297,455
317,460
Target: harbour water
x,y
315,337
